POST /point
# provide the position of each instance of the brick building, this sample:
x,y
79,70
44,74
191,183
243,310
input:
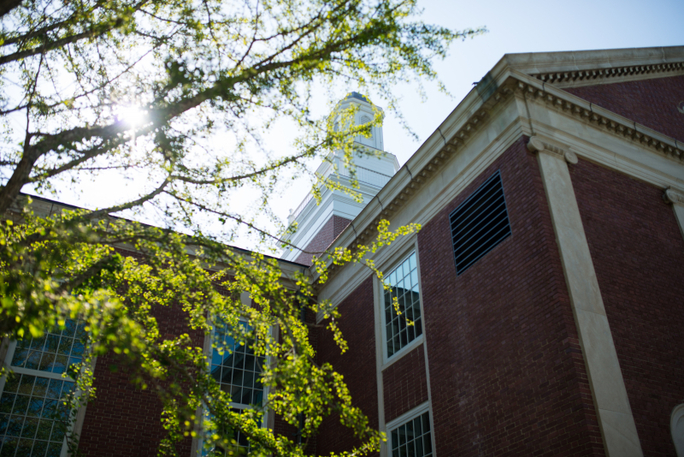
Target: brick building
x,y
545,287
547,282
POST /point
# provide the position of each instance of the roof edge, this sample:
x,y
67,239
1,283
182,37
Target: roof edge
x,y
609,65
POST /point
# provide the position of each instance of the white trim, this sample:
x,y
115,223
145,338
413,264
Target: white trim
x,y
397,259
609,393
267,419
378,295
676,199
394,258
425,355
677,429
406,417
595,67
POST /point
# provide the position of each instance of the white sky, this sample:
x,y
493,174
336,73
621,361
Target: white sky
x,y
522,26
514,27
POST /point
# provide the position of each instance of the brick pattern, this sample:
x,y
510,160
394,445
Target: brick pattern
x,y
323,238
507,375
357,365
652,102
125,420
638,253
405,384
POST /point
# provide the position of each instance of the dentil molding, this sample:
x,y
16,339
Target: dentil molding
x,y
593,76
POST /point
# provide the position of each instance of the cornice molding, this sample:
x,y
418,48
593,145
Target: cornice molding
x,y
673,197
609,75
604,119
392,197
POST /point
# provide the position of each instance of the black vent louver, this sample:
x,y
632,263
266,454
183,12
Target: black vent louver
x,y
479,223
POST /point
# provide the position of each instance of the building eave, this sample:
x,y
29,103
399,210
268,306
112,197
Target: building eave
x,y
582,68
508,78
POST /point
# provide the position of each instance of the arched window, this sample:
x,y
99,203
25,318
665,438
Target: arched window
x,y
366,140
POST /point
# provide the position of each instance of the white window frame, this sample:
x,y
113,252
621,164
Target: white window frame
x,y
7,350
409,416
392,263
267,420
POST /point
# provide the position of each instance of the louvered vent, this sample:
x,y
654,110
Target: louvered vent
x,y
479,223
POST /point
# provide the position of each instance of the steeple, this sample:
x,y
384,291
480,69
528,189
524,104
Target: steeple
x,y
319,224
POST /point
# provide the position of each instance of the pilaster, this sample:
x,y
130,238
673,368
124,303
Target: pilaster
x,y
676,198
605,377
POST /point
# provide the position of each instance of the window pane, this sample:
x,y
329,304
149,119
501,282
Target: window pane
x,y
6,402
35,424
65,346
412,439
52,352
54,450
404,287
240,370
39,448
419,447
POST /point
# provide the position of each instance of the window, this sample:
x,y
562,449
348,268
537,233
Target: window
x,y
412,438
403,326
677,429
33,417
369,141
479,224
235,367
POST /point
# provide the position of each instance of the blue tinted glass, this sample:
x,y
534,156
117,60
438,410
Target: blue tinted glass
x,y
6,402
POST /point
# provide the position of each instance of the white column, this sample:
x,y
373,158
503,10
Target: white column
x,y
605,377
677,200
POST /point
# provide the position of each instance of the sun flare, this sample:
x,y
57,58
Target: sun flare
x,y
132,115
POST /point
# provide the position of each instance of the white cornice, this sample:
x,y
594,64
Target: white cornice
x,y
461,135
602,118
581,68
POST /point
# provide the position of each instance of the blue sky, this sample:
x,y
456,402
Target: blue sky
x,y
515,27
528,26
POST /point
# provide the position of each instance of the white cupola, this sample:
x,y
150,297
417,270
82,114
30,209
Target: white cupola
x,y
319,224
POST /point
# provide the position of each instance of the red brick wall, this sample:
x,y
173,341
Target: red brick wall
x,y
638,253
124,420
506,371
652,103
357,365
405,384
323,238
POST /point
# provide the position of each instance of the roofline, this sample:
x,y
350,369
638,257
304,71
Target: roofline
x,y
595,66
498,85
234,248
541,62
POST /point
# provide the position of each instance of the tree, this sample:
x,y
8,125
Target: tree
x,y
209,77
